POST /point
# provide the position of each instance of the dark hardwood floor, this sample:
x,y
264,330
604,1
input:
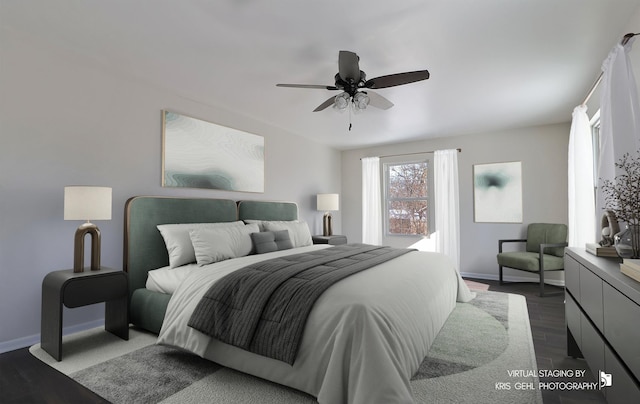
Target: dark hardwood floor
x,y
24,379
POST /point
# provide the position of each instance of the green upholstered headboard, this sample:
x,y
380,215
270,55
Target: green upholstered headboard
x,y
265,210
144,247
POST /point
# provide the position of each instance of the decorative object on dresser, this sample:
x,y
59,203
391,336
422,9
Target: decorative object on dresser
x,y
497,192
327,203
77,289
87,203
545,244
600,251
602,310
610,227
631,268
333,239
621,197
627,242
200,154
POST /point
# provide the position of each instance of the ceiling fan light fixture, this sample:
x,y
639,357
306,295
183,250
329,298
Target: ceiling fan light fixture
x,y
350,79
341,101
360,101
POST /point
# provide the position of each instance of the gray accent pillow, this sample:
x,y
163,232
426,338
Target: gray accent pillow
x,y
298,231
268,241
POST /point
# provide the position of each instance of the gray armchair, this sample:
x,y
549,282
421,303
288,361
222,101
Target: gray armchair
x,y
545,244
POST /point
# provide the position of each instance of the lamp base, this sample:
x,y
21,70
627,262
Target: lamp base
x,y
78,247
326,225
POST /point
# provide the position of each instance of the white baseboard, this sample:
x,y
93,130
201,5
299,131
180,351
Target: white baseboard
x,y
27,341
492,277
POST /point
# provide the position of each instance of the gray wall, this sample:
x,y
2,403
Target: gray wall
x,y
66,120
543,153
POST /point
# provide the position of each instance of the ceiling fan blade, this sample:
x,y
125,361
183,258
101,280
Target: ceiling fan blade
x,y
320,86
348,67
397,79
378,101
325,104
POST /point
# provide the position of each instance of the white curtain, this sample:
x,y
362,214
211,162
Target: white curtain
x,y
371,201
582,221
447,205
619,115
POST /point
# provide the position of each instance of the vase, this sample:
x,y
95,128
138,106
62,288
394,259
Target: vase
x,y
627,242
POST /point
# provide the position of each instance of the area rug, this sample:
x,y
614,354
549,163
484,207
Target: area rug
x,y
471,361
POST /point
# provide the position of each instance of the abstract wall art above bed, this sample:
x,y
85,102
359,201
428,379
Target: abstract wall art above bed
x,y
200,154
497,192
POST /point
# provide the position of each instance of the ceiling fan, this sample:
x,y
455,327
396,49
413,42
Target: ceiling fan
x,y
353,83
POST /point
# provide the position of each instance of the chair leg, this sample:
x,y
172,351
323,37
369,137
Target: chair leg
x,y
500,273
541,283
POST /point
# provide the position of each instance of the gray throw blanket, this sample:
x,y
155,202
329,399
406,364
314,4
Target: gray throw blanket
x,y
263,307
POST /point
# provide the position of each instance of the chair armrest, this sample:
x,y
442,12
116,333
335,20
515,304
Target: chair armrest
x,y
512,240
551,245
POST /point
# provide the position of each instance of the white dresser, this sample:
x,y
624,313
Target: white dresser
x,y
602,310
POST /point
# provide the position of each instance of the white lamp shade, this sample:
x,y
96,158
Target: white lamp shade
x,y
87,203
328,202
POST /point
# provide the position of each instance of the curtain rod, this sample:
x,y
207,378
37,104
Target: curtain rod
x,y
410,154
595,85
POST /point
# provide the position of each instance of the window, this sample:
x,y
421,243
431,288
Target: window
x,y
406,198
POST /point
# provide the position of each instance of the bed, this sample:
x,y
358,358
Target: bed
x,y
365,335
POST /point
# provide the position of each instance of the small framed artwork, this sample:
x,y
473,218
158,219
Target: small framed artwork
x,y
497,192
200,154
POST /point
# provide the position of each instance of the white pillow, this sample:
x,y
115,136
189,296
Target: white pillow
x,y
213,245
298,231
176,238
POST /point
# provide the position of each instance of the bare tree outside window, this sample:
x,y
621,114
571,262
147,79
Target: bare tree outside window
x,y
407,199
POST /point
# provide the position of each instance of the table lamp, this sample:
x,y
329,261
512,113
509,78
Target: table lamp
x,y
87,203
327,203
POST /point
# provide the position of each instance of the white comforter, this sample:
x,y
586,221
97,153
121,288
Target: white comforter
x,y
364,338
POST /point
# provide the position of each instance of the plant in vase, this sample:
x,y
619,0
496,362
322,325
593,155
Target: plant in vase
x,y
622,196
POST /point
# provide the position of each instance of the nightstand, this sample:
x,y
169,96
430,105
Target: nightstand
x,y
76,289
333,240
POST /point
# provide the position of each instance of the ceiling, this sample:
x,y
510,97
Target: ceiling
x,y
494,64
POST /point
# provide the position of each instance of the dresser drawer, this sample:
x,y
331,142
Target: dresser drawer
x,y
623,389
572,276
572,315
95,289
622,327
592,345
591,296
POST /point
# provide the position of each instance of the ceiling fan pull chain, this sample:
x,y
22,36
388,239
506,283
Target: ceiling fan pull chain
x,y
349,119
